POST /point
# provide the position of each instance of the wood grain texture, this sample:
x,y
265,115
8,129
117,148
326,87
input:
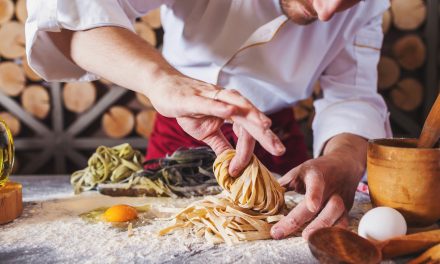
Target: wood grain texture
x,y
143,100
407,95
12,40
409,244
11,204
118,122
21,11
36,101
337,245
386,21
6,11
408,14
431,129
153,18
78,97
410,52
145,122
146,32
12,78
389,73
406,178
12,122
30,74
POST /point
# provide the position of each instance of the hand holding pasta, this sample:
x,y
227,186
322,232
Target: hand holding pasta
x,y
252,203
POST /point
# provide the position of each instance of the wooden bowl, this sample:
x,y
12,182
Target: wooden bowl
x,y
406,178
331,245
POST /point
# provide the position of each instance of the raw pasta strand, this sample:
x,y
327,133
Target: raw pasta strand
x,y
253,203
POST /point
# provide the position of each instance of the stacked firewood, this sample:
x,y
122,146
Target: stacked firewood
x,y
21,83
404,54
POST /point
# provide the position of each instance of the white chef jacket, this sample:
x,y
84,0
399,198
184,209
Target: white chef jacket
x,y
247,45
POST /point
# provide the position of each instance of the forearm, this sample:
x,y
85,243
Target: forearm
x,y
116,54
350,148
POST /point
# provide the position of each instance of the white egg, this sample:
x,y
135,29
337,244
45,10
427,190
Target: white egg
x,y
382,223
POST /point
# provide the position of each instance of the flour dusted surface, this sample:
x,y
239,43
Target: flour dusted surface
x,y
50,231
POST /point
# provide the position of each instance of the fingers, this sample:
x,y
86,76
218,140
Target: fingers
x,y
245,147
314,184
310,177
253,121
267,139
217,142
292,222
329,216
234,97
230,104
199,105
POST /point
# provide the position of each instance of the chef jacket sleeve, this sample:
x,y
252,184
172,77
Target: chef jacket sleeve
x,y
54,15
351,103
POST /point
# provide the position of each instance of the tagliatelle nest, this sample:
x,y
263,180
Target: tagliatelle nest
x,y
253,202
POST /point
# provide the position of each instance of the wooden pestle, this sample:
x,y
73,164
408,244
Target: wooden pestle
x,y
431,129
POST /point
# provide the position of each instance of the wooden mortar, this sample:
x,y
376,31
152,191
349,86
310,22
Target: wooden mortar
x,y
406,178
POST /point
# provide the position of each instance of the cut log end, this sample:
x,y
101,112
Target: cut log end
x,y
407,95
21,11
146,33
303,109
118,122
6,11
153,18
389,73
143,100
12,40
78,97
36,101
145,122
12,78
30,74
408,14
410,52
12,122
386,21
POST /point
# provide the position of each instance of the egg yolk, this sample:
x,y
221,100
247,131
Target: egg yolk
x,y
120,213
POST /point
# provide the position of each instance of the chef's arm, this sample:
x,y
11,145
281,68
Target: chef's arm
x,y
124,58
116,54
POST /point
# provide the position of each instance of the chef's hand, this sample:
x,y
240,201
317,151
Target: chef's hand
x,y
201,108
329,183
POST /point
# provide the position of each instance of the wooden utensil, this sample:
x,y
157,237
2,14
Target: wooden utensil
x,y
406,178
337,245
431,129
431,255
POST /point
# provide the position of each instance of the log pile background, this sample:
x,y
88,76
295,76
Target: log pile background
x,y
57,126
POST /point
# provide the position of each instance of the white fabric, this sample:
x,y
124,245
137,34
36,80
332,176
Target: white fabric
x,y
245,45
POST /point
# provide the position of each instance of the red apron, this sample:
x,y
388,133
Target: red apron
x,y
167,136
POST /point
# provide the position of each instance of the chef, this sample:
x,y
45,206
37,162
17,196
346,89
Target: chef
x,y
227,76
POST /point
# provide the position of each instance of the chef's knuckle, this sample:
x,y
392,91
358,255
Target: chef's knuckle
x,y
336,204
324,222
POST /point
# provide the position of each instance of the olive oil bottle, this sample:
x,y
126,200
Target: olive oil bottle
x,y
6,153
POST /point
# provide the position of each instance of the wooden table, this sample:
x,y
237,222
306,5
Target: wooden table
x,y
50,231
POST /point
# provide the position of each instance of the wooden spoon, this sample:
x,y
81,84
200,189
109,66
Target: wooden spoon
x,y
432,255
431,129
337,245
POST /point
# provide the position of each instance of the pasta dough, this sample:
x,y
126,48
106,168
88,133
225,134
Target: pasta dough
x,y
247,210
